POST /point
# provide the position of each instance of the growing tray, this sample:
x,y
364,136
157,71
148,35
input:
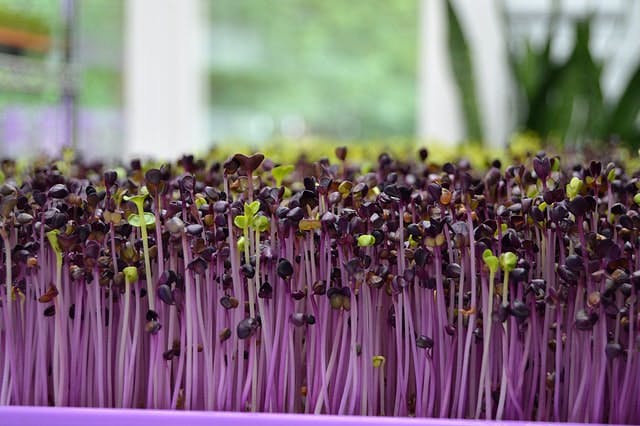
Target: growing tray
x,y
37,416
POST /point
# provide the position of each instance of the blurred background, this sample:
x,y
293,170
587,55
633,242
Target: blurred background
x,y
158,78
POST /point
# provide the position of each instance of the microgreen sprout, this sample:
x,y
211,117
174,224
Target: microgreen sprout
x,y
401,288
143,221
279,173
366,240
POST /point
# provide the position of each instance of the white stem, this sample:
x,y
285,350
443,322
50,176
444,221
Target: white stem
x,y
124,331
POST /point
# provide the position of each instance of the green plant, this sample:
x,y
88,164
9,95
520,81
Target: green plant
x,y
23,21
559,100
463,74
564,100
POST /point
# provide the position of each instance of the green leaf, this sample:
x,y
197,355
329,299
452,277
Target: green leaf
x,y
463,72
52,236
377,361
490,260
623,118
130,274
121,172
532,191
636,198
139,198
241,221
117,197
241,242
531,69
261,223
200,201
366,240
508,261
492,263
574,187
503,229
149,219
250,210
486,254
569,104
301,34
281,172
309,224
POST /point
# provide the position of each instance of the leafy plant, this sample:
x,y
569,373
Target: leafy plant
x,y
462,68
559,100
20,20
565,101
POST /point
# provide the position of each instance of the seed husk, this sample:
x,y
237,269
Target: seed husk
x,y
247,328
285,269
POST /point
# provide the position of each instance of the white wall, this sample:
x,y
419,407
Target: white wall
x,y
440,116
165,78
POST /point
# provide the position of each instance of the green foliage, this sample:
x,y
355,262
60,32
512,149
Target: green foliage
x,y
52,236
138,199
281,172
564,101
366,240
241,221
100,28
574,187
377,361
100,87
508,261
149,219
567,102
490,260
463,73
623,117
261,223
241,243
336,63
142,216
251,209
559,100
130,274
250,218
23,21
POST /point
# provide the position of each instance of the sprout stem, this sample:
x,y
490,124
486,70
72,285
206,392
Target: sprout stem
x,y
8,312
60,340
99,339
124,337
472,317
130,369
505,345
485,374
151,294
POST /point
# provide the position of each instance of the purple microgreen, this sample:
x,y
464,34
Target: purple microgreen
x,y
411,289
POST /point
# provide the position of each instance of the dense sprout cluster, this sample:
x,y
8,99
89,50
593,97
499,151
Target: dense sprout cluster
x,y
412,289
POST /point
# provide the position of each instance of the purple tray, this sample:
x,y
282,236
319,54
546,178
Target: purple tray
x,y
39,416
